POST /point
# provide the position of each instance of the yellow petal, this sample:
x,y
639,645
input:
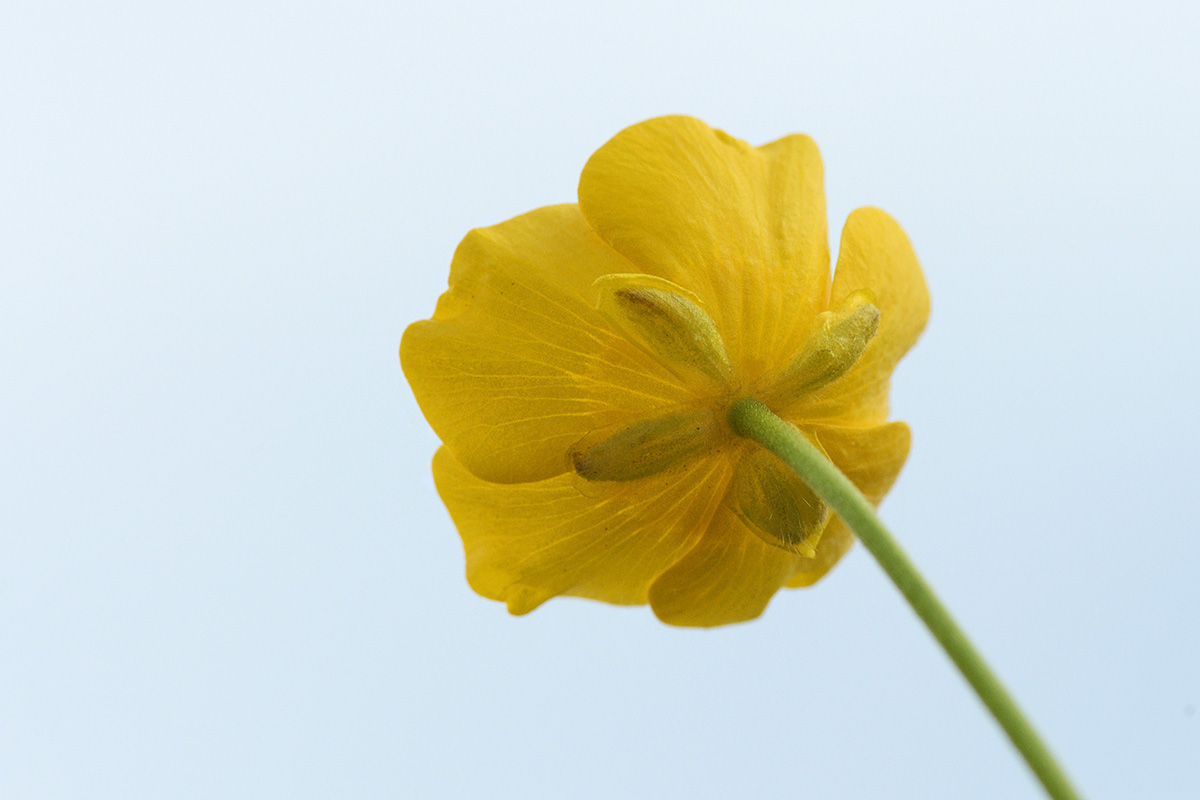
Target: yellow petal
x,y
871,458
875,256
742,228
516,364
526,543
729,576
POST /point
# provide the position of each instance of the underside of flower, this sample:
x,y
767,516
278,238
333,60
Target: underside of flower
x,y
662,320
582,365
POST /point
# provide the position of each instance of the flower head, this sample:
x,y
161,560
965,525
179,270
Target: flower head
x,y
581,366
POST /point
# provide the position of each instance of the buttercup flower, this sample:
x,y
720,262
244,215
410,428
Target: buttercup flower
x,y
581,366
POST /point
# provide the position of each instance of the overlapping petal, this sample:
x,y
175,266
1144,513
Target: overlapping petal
x,y
875,256
516,364
870,457
729,576
742,227
526,543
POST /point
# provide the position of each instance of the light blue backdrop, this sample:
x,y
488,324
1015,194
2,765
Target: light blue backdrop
x,y
223,568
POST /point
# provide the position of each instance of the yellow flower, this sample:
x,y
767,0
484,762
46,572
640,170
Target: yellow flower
x,y
581,365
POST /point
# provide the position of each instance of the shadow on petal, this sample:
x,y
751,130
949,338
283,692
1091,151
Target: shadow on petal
x,y
729,576
526,543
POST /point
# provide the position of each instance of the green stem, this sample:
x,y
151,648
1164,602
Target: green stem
x,y
754,420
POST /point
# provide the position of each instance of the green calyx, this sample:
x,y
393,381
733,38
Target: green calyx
x,y
840,338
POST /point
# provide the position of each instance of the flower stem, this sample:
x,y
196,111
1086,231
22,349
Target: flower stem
x,y
755,421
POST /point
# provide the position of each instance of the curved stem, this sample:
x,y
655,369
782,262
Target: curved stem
x,y
754,420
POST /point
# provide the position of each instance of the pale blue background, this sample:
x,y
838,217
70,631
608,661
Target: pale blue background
x,y
224,572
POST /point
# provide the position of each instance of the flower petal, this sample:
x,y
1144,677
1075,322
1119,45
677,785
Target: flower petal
x,y
871,458
526,543
729,576
743,228
516,364
876,257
